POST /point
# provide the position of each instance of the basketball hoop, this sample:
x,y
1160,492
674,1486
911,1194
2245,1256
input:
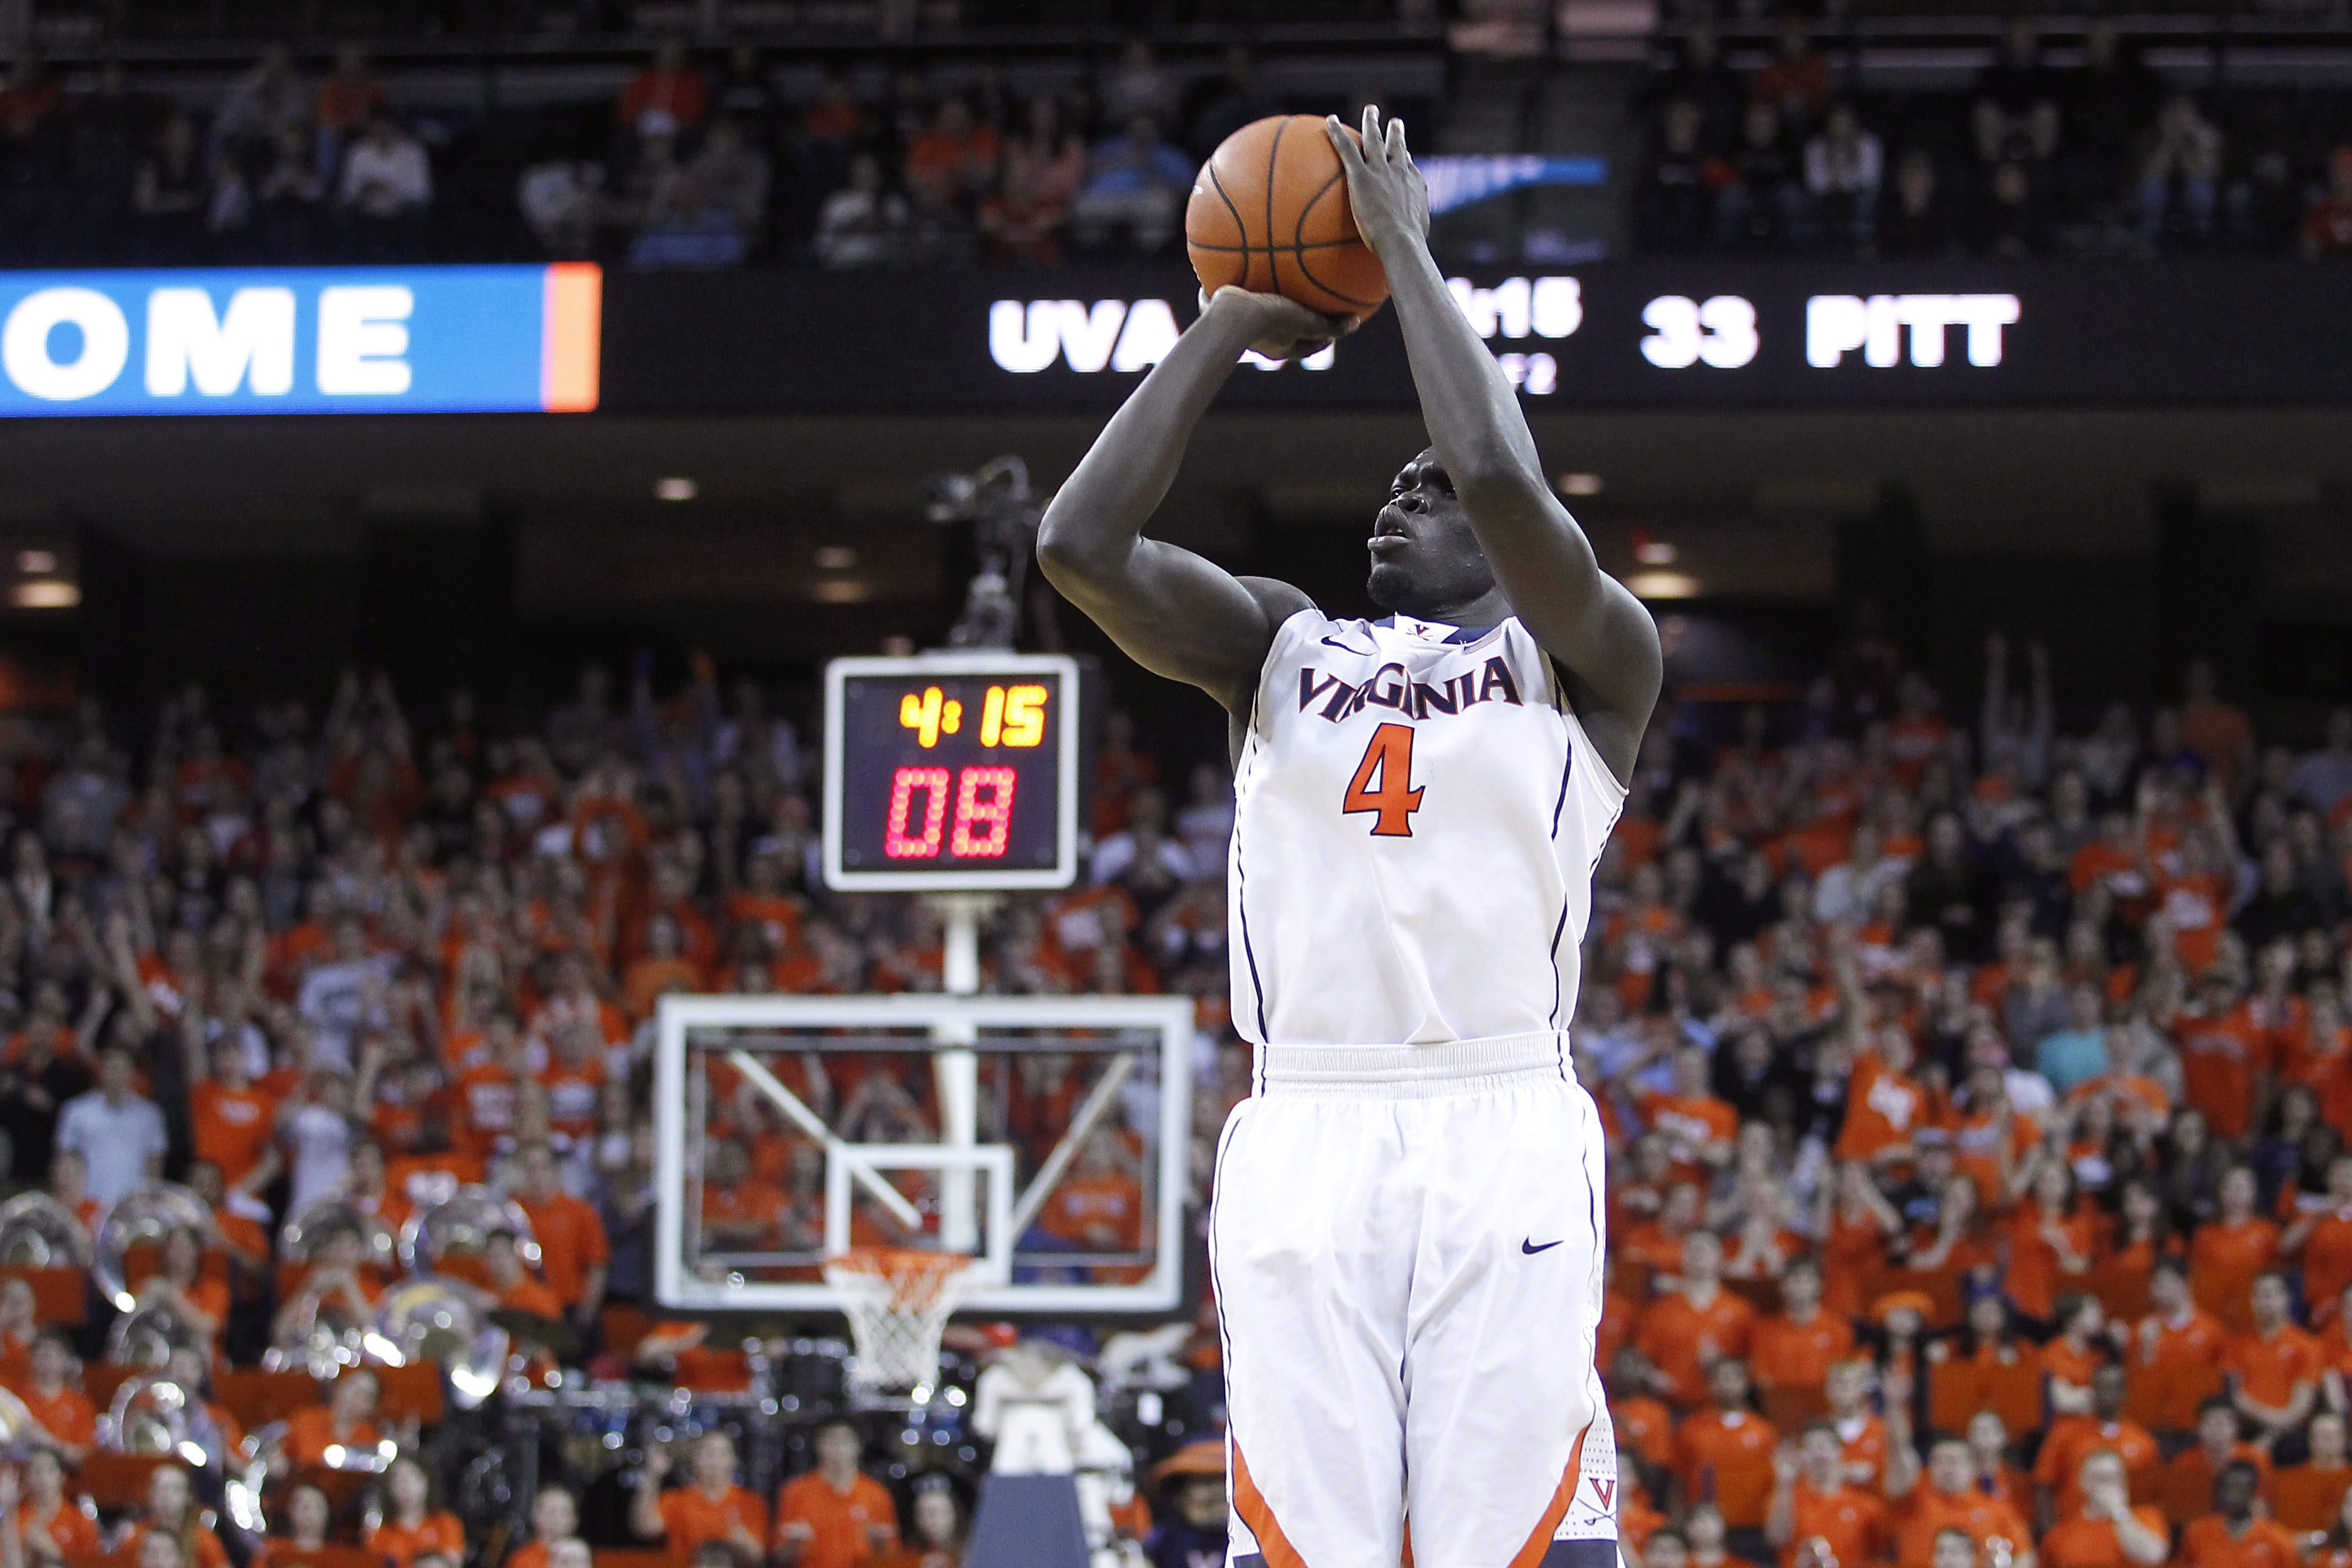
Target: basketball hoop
x,y
898,1301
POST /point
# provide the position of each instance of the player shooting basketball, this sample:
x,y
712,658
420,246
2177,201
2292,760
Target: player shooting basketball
x,y
1407,1238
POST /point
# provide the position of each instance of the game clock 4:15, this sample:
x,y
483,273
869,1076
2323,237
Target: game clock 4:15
x,y
951,771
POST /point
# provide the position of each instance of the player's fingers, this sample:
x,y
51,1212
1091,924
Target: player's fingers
x,y
1351,157
1396,147
1371,128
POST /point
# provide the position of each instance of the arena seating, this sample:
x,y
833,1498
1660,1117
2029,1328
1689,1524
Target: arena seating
x,y
1986,1055
1900,131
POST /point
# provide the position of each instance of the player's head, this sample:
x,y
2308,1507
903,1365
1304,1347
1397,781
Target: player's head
x,y
1426,559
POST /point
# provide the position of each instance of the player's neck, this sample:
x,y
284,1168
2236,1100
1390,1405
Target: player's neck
x,y
1488,609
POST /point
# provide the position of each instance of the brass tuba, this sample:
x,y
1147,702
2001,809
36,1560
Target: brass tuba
x,y
462,1224
149,1416
37,1231
142,1217
148,1335
298,1242
446,1322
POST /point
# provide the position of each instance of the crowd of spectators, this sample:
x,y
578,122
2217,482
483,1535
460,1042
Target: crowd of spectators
x,y
1980,1191
328,968
706,160
1978,1096
695,163
2099,156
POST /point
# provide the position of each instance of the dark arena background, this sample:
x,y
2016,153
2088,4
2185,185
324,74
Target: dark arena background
x,y
595,970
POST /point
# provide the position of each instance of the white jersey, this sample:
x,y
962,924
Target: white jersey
x,y
1417,819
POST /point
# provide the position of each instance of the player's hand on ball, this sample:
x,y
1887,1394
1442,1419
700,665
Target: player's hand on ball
x,y
1279,329
1386,190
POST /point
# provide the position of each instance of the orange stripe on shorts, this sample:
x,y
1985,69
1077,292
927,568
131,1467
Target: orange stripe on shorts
x,y
1531,1555
1272,1544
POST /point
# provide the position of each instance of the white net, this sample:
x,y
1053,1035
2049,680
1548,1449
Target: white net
x,y
898,1302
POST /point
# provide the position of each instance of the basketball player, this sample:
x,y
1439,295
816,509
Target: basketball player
x,y
1407,1234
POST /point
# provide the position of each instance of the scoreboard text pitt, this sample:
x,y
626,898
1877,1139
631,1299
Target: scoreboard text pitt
x,y
951,773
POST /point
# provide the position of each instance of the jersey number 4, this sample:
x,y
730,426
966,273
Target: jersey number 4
x,y
1393,798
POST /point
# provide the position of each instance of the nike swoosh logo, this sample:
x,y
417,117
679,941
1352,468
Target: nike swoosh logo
x,y
1531,1249
1360,653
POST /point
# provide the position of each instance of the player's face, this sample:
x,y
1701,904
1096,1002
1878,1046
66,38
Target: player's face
x,y
1426,559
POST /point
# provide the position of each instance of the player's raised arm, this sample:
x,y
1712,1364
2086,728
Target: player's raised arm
x,y
1173,612
1544,564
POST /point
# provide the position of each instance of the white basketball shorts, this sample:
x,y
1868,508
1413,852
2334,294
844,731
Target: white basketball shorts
x,y
1406,1244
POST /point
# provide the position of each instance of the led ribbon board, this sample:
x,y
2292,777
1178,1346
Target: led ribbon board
x,y
324,340
952,771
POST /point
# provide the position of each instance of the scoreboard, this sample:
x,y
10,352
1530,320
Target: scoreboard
x,y
949,772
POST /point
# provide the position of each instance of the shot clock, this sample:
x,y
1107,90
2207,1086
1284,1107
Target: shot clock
x,y
951,773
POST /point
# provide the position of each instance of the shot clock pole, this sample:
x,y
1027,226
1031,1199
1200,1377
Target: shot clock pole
x,y
956,1065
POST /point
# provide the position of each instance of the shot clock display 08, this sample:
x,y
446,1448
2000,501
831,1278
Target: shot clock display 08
x,y
951,773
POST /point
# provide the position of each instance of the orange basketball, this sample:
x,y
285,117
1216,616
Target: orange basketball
x,y
1270,212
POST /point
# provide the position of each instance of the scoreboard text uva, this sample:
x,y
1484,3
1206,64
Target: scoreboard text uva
x,y
952,771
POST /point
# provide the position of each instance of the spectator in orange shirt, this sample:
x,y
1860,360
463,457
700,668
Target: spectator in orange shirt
x,y
1796,1347
1886,1106
2216,730
181,1286
2322,1238
2234,1535
2226,1255
2274,1368
411,1524
554,1516
1861,1434
2104,1429
1698,1128
1725,1453
487,1094
2177,1341
574,1251
511,1285
232,1122
709,1507
50,1526
2050,1239
335,1289
64,1420
739,1211
834,1516
170,1532
1690,1326
341,1428
2105,1531
1816,1517
2080,1347
1943,1495
2192,1472
1987,1441
1645,1426
2223,1059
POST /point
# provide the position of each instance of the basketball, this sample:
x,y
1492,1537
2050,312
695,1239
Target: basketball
x,y
1270,212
